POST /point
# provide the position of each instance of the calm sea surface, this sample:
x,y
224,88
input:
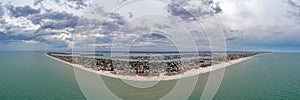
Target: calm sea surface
x,y
34,76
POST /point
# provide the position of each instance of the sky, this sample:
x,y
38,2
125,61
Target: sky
x,y
151,25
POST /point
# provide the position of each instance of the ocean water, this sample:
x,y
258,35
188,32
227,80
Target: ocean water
x,y
273,76
34,76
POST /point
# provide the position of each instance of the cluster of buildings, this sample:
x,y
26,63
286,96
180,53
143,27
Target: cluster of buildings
x,y
149,65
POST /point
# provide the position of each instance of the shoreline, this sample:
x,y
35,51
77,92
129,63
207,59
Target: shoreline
x,y
189,73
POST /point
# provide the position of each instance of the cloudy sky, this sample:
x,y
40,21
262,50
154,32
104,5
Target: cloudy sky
x,y
57,25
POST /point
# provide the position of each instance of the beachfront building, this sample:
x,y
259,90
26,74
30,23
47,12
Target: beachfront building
x,y
149,65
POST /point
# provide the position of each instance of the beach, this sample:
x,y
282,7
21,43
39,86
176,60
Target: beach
x,y
162,76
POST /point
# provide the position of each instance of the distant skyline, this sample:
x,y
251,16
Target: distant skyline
x,y
248,25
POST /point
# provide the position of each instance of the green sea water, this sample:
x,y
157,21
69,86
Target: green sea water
x,y
34,76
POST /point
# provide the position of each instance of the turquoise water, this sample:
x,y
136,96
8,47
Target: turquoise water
x,y
34,76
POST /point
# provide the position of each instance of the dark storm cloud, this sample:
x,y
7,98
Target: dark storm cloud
x,y
36,19
16,33
154,36
107,28
21,11
114,24
55,20
79,4
184,11
60,24
7,38
110,26
295,12
177,11
56,24
36,2
293,4
217,8
51,27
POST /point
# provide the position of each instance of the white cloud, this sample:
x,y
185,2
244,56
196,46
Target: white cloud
x,y
30,41
244,22
259,21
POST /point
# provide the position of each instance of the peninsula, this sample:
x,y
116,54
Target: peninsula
x,y
151,67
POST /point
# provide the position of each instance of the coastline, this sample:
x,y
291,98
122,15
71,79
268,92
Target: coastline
x,y
189,73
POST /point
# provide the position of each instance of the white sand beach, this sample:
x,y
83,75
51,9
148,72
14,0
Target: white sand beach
x,y
191,72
